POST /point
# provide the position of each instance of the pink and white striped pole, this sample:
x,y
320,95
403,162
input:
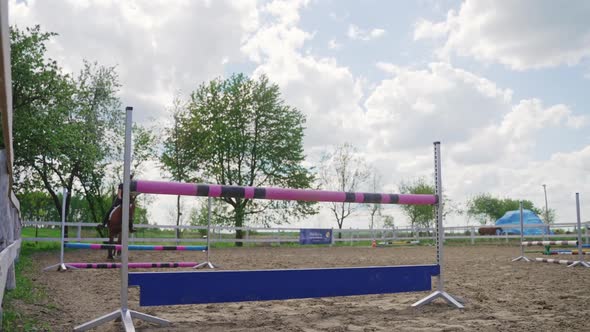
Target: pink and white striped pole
x,y
309,195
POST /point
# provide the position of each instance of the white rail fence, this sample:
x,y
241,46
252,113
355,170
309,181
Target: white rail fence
x,y
278,235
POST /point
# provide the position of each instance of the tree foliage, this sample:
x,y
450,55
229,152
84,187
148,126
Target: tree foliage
x,y
388,221
41,96
343,170
175,159
486,208
67,128
199,216
548,215
419,215
239,131
38,206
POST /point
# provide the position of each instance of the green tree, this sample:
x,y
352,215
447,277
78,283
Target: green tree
x,y
37,206
388,221
63,126
419,215
199,215
343,170
486,208
548,216
176,160
40,93
239,131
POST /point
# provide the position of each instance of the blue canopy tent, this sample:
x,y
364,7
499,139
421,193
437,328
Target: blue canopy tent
x,y
512,218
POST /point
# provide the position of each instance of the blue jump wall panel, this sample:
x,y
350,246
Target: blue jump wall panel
x,y
173,288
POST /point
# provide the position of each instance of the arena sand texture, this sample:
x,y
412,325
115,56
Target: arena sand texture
x,y
499,295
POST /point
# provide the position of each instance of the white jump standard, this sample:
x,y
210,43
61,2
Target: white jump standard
x,y
522,256
61,266
580,260
208,262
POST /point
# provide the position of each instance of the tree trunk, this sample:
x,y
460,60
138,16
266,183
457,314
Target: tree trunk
x,y
67,198
178,216
239,222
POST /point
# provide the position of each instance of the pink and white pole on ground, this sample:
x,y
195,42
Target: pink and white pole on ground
x,y
550,243
554,261
133,265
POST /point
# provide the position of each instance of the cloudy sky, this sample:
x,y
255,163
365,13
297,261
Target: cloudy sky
x,y
502,84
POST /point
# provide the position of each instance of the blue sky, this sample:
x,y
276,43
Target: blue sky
x,y
502,84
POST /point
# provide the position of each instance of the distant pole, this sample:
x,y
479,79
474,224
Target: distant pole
x,y
546,211
546,208
522,256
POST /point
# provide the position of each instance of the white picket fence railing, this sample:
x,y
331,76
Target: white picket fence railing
x,y
7,261
291,234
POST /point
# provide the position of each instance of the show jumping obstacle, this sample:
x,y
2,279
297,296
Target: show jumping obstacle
x,y
62,266
578,243
158,288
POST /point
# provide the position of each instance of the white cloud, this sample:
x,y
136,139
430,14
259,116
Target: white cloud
x,y
416,107
519,34
334,45
356,33
159,47
389,67
488,139
337,17
286,11
330,103
564,173
424,29
512,139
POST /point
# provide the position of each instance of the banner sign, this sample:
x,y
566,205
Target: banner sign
x,y
315,236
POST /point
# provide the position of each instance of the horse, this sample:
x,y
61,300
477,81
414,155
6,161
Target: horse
x,y
114,225
489,230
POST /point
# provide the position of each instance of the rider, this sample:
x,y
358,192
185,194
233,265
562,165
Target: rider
x,y
117,200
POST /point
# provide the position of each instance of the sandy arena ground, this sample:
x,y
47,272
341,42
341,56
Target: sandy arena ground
x,y
499,295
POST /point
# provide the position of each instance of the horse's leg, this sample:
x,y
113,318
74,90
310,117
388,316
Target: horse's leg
x,y
111,241
110,251
119,242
